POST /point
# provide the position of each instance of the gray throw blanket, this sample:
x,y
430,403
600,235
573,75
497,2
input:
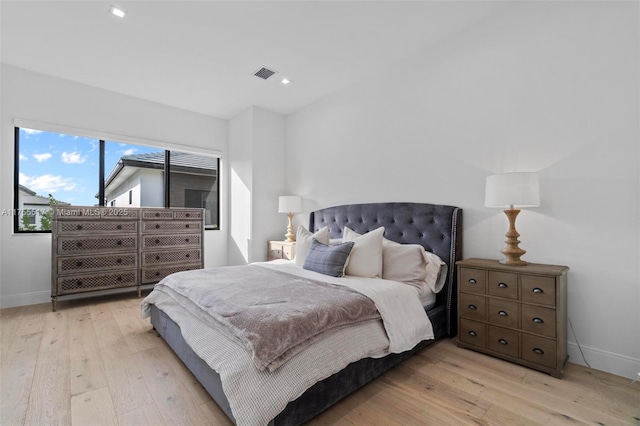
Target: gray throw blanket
x,y
275,314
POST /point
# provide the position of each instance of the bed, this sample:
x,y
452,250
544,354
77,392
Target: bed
x,y
436,227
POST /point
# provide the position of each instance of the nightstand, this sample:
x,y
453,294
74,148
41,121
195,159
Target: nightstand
x,y
517,313
281,250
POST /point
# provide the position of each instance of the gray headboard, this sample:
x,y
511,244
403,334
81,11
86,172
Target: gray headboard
x,y
437,228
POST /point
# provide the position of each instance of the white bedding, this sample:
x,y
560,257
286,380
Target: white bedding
x,y
255,396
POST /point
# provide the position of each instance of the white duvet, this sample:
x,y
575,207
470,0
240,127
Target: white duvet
x,y
256,397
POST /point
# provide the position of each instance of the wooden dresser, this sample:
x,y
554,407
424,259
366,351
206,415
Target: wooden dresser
x,y
101,248
517,313
281,250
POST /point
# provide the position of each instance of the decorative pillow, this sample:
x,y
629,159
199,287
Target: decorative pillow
x,y
436,272
328,260
412,264
303,242
366,256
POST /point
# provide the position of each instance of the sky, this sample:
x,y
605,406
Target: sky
x,y
67,166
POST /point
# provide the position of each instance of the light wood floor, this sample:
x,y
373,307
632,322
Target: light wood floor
x,y
96,362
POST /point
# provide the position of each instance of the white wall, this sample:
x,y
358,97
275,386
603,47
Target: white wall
x,y
26,259
547,87
256,158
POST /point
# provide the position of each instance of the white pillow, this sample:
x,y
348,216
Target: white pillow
x,y
412,264
366,255
303,242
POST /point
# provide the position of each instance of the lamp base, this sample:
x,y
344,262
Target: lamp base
x,y
290,236
512,252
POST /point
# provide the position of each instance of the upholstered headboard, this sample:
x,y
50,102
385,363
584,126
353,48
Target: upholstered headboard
x,y
437,228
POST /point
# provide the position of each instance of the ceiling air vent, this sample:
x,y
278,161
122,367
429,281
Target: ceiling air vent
x,y
264,73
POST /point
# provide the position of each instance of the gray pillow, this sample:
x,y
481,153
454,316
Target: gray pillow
x,y
326,259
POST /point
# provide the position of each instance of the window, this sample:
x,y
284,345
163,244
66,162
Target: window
x,y
60,169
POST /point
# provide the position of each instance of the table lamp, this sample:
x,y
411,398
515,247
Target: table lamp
x,y
289,204
511,190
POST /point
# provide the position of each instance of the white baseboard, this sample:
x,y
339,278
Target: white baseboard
x,y
620,365
23,299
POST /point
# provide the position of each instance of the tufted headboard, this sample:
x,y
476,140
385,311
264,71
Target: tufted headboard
x,y
437,228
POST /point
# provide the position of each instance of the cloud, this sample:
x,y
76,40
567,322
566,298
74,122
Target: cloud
x,y
23,157
73,158
30,131
129,151
42,157
47,184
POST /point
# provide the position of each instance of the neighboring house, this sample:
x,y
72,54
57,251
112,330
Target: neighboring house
x,y
33,206
138,181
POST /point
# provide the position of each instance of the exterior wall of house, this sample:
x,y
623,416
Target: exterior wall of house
x,y
181,182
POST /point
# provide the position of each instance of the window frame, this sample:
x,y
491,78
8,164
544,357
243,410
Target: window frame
x,y
17,214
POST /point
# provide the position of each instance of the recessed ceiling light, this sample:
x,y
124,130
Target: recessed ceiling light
x,y
117,12
285,81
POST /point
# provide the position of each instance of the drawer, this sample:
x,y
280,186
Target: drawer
x,y
504,341
79,264
152,275
169,241
539,320
474,333
472,280
74,245
82,283
538,289
288,251
77,227
159,226
172,256
473,306
275,252
186,214
503,284
503,312
539,350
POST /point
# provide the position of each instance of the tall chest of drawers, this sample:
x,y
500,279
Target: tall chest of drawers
x,y
102,248
518,313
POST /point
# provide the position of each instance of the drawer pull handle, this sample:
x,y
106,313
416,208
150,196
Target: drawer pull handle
x,y
538,351
79,227
157,257
186,240
472,280
503,342
119,278
187,225
79,244
119,260
78,263
188,214
537,290
79,283
157,241
157,226
157,274
537,320
472,333
157,214
119,227
187,255
473,307
503,314
503,285
119,242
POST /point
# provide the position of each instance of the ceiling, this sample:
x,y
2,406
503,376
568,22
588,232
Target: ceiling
x,y
201,55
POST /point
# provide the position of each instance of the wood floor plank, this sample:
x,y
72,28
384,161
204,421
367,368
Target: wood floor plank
x,y
215,415
55,332
33,319
16,376
49,400
105,326
10,320
138,334
86,366
93,408
172,398
146,415
128,388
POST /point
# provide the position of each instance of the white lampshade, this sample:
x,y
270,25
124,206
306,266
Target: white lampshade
x,y
512,189
289,204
